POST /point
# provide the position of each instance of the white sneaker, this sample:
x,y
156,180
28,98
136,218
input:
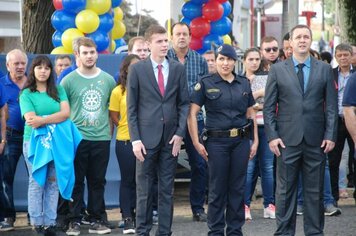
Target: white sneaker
x,y
269,212
247,213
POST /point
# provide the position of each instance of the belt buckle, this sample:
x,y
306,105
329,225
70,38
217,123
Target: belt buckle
x,y
234,132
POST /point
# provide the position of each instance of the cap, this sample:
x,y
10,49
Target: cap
x,y
227,51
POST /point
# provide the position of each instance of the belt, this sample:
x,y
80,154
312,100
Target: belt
x,y
231,133
12,130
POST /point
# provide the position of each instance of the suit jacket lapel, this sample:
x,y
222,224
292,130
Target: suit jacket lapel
x,y
313,65
151,75
292,74
170,76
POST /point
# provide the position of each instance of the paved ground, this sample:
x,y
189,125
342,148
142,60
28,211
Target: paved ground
x,y
344,225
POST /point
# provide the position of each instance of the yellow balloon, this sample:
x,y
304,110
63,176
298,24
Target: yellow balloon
x,y
87,21
119,29
113,45
118,13
226,38
99,6
69,35
61,50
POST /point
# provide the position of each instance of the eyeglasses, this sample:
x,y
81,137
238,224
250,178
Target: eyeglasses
x,y
274,49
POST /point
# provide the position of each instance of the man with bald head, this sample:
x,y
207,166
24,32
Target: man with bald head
x,y
12,133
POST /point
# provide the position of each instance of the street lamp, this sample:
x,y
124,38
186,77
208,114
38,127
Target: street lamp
x,y
259,9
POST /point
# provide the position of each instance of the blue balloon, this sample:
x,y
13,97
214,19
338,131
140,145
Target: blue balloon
x,y
101,40
211,41
57,38
227,8
221,27
200,2
62,20
120,42
115,3
106,22
191,10
74,6
202,50
186,21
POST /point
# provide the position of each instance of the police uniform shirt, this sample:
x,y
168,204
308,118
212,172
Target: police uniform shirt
x,y
225,103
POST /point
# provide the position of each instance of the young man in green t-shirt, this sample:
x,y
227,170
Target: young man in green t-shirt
x,y
88,89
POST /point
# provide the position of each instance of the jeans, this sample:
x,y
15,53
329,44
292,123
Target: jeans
x,y
8,164
198,169
42,200
343,168
264,157
127,164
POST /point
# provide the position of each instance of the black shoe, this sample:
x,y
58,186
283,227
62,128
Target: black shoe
x,y
99,228
50,231
108,224
39,229
129,226
200,216
74,229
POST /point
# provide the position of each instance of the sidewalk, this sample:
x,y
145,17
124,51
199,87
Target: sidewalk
x,y
343,225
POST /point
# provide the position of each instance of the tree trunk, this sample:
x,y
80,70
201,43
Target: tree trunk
x,y
36,26
348,20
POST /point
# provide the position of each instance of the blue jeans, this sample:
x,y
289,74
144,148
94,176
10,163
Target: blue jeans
x,y
328,197
264,161
42,201
198,169
8,164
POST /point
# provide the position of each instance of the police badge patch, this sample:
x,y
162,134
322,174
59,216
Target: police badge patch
x,y
197,87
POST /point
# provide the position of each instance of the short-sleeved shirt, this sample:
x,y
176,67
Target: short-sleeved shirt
x,y
2,96
225,103
118,104
41,104
12,93
350,92
88,98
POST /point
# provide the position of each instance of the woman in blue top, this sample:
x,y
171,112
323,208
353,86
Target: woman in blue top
x,y
42,103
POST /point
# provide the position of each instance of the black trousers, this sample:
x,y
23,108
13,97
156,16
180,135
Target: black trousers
x,y
336,154
91,161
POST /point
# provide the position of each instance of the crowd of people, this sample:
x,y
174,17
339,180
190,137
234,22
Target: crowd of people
x,y
284,118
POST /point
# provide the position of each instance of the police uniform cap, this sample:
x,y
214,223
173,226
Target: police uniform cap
x,y
228,51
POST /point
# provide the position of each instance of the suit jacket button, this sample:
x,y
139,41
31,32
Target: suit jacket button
x,y
161,119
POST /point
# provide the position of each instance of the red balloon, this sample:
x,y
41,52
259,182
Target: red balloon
x,y
105,52
221,1
58,4
199,27
213,10
196,43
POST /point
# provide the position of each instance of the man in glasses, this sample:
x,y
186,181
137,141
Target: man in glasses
x,y
269,49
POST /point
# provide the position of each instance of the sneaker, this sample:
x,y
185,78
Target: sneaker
x,y
129,227
38,229
5,226
121,224
247,213
343,194
300,210
200,216
269,212
108,224
155,217
99,228
74,229
331,210
49,231
85,220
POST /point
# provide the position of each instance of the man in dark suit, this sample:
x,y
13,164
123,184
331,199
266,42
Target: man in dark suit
x,y
158,104
301,132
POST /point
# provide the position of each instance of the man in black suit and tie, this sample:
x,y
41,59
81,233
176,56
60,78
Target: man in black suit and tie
x,y
301,131
158,104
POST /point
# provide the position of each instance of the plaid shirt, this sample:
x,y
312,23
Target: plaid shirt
x,y
195,68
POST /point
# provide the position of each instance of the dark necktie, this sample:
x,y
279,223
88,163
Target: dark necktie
x,y
160,80
301,75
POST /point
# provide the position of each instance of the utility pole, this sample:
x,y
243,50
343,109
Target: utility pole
x,y
293,13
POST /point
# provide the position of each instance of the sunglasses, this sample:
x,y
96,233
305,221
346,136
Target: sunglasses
x,y
274,49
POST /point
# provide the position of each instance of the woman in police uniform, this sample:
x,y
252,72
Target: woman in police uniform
x,y
228,102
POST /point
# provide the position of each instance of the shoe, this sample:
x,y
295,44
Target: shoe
x,y
99,228
129,227
300,210
331,210
85,220
155,217
343,194
121,224
74,229
5,226
269,212
38,229
200,216
247,213
50,231
108,224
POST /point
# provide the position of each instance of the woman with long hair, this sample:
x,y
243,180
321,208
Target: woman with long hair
x,y
42,103
262,163
124,153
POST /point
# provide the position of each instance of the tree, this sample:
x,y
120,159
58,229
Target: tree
x,y
348,20
36,26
